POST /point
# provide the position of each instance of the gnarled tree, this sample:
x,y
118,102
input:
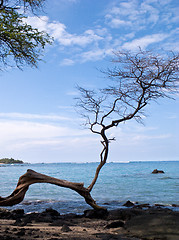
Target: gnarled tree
x,y
136,80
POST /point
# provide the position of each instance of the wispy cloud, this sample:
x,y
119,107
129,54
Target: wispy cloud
x,y
72,93
141,138
67,62
69,108
11,129
144,23
144,42
40,141
136,135
61,35
28,116
34,140
139,15
93,55
139,18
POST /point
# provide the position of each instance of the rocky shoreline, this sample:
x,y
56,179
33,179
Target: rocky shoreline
x,y
133,222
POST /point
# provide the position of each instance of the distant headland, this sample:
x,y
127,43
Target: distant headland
x,y
10,161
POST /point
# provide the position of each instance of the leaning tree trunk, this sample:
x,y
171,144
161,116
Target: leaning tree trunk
x,y
31,177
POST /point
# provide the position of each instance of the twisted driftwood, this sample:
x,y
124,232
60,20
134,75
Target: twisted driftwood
x,y
31,177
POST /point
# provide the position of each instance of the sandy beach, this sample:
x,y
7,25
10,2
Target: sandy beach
x,y
136,222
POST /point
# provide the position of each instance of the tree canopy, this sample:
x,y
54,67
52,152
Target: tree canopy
x,y
20,43
10,161
136,80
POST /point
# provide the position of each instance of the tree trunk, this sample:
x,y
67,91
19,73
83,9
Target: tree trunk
x,y
31,177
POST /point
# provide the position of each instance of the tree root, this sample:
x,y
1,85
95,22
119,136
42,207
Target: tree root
x,y
31,177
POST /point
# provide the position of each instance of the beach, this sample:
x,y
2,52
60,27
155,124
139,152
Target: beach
x,y
134,222
49,212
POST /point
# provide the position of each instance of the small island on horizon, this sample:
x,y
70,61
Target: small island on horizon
x,y
10,161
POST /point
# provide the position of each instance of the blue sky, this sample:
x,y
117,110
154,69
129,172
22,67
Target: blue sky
x,y
38,122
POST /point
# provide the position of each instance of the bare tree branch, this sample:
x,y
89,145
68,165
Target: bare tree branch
x,y
137,80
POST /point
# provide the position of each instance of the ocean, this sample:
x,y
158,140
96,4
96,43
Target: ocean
x,y
117,183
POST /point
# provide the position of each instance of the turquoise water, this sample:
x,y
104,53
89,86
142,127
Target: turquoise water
x,y
117,183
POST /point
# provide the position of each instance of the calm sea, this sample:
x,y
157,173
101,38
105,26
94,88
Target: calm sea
x,y
117,183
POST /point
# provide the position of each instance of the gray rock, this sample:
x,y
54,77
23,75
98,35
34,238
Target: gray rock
x,y
128,204
159,225
65,228
98,214
52,212
115,224
155,171
124,214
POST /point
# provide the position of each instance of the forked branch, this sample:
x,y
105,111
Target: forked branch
x,y
139,79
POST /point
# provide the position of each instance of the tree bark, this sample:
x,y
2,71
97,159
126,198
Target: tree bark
x,y
31,177
103,155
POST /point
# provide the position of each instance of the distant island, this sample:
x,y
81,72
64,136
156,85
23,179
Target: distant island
x,y
10,161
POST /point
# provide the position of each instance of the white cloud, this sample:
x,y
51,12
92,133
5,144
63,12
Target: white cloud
x,y
162,2
50,117
141,138
33,141
66,108
73,1
60,34
139,15
39,22
85,46
172,41
152,11
128,19
144,42
67,62
44,142
122,15
18,132
116,22
95,54
92,55
70,1
26,129
72,93
136,135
